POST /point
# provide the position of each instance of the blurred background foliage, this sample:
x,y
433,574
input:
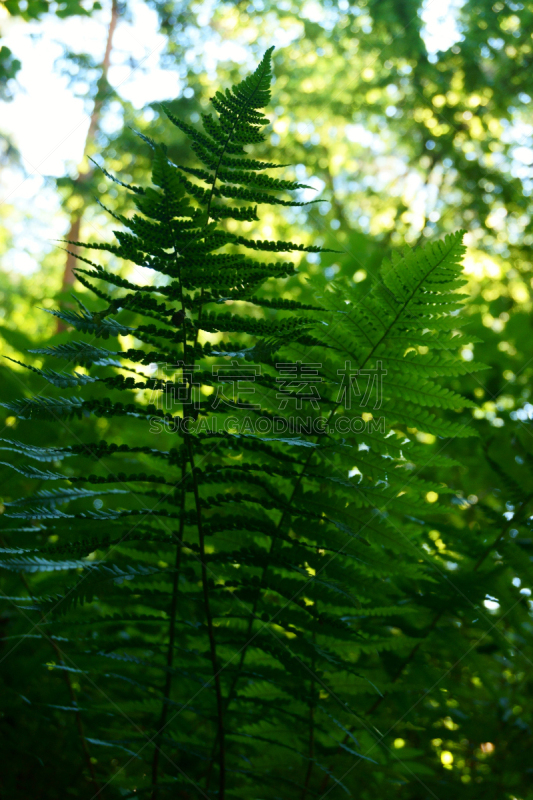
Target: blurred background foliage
x,y
407,127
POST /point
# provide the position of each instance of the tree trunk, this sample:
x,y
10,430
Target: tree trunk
x,y
76,216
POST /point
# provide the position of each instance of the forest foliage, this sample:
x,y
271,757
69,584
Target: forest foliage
x,y
258,611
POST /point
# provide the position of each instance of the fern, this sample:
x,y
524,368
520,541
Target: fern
x,y
254,563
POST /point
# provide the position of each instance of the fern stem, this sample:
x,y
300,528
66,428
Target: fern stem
x,y
249,637
171,639
201,540
219,739
210,199
312,687
212,645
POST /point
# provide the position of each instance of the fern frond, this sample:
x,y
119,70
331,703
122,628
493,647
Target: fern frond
x,y
237,556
